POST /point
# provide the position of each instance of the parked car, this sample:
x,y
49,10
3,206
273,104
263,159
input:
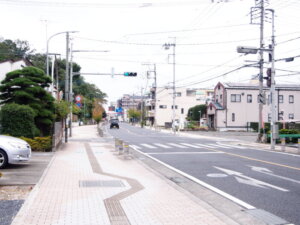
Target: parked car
x,y
13,150
114,123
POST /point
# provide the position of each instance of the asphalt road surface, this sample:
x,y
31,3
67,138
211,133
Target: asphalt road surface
x,y
260,179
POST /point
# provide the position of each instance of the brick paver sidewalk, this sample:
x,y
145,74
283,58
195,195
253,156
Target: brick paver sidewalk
x,y
87,184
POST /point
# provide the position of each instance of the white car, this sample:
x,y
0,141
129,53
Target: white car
x,y
13,150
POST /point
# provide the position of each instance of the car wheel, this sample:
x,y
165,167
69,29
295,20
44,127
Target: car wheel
x,y
3,159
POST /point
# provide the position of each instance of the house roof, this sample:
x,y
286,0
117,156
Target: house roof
x,y
216,105
256,87
26,61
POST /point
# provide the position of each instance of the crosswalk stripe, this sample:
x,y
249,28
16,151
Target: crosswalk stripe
x,y
204,146
232,146
148,146
218,146
190,145
137,147
161,145
177,145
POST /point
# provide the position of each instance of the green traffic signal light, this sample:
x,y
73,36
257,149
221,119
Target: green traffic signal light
x,y
130,74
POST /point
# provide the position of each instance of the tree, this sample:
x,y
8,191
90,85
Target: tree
x,y
13,49
194,112
134,114
27,87
97,110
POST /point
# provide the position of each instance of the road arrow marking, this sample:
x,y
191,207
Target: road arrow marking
x,y
270,173
250,181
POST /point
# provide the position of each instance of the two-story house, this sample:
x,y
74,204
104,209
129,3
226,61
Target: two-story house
x,y
185,99
236,105
11,65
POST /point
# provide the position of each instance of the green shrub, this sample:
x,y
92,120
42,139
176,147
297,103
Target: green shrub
x,y
18,120
39,144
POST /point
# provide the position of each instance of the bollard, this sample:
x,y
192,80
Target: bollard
x,y
126,150
120,147
298,145
283,144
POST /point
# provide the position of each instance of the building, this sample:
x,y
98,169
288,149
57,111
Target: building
x,y
161,107
236,105
130,101
7,66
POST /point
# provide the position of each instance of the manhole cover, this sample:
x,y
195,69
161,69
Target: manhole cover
x,y
101,183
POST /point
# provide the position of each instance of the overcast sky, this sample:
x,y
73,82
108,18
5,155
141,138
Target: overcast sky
x,y
134,32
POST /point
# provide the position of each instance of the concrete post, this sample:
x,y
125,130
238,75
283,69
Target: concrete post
x,y
283,144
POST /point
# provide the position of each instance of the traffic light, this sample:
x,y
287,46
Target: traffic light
x,y
130,74
268,78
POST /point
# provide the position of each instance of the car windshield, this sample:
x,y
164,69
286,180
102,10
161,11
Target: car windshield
x,y
114,121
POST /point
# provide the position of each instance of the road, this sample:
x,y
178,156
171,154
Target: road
x,y
259,179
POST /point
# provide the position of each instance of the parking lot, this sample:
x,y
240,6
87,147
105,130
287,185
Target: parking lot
x,y
17,181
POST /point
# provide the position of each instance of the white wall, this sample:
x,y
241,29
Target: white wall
x,y
183,103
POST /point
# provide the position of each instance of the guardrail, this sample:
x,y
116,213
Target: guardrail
x,y
283,140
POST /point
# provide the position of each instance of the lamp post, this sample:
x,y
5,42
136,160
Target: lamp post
x,y
71,81
67,69
167,47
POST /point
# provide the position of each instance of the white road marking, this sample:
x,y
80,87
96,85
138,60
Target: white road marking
x,y
134,146
231,146
190,145
148,146
184,153
204,146
177,145
270,173
161,145
210,187
218,146
249,180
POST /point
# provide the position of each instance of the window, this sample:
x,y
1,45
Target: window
x,y
217,100
178,94
280,98
291,116
221,96
233,117
190,93
235,98
249,98
182,110
175,107
291,98
269,117
162,106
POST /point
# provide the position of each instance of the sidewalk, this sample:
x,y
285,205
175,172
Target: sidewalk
x,y
87,184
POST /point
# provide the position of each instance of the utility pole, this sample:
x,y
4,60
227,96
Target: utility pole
x,y
155,89
260,7
71,90
167,46
274,114
67,82
142,108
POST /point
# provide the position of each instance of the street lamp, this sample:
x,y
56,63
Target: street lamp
x,y
167,47
47,49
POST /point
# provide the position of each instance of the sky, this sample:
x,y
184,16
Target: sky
x,y
129,36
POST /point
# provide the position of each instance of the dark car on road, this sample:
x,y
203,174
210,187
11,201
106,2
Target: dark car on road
x,y
114,123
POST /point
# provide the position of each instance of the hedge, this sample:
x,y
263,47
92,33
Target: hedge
x,y
39,144
18,120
